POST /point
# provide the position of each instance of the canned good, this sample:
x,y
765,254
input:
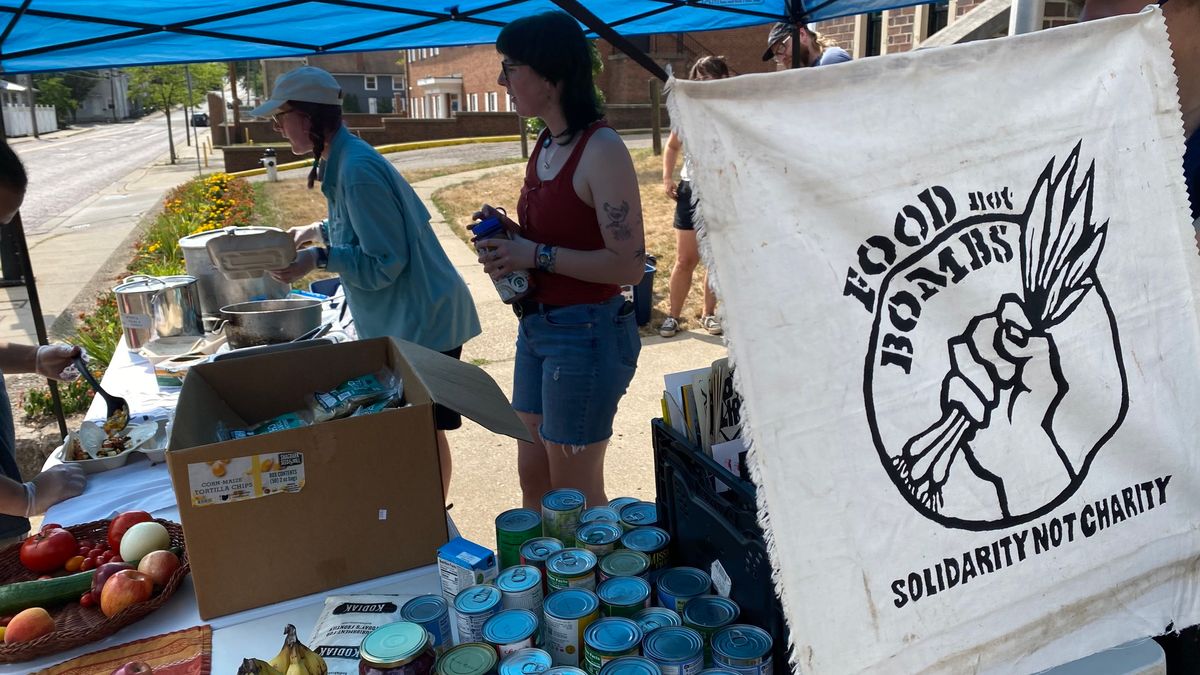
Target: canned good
x,y
600,514
717,671
560,514
514,285
639,514
511,630
630,665
521,588
621,502
571,568
653,541
607,639
474,606
432,612
525,662
676,649
513,528
678,585
706,615
656,617
565,670
600,537
623,596
745,650
401,648
568,613
624,563
468,658
535,552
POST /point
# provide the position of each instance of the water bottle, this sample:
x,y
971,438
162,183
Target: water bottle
x,y
512,286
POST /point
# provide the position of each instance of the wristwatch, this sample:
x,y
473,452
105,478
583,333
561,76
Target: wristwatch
x,y
322,257
545,258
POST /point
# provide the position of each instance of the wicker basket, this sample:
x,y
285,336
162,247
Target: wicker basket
x,y
76,625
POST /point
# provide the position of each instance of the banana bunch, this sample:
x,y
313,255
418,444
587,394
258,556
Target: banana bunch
x,y
293,659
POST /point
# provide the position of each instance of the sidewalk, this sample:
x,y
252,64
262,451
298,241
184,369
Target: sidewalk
x,y
94,238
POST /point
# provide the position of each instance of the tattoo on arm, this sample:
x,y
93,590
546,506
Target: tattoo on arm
x,y
640,254
617,221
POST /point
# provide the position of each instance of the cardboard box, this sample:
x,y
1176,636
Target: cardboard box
x,y
311,509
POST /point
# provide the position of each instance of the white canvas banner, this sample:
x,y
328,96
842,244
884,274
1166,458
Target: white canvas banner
x,y
958,287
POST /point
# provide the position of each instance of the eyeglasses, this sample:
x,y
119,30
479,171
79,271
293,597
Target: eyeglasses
x,y
506,66
778,47
277,119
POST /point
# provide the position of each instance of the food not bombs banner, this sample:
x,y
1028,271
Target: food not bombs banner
x,y
958,287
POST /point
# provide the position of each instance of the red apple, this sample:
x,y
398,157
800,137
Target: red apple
x,y
27,625
123,589
103,572
159,566
134,668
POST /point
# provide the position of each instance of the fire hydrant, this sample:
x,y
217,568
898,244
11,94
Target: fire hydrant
x,y
268,162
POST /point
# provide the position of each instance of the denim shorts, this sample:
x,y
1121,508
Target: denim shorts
x,y
573,365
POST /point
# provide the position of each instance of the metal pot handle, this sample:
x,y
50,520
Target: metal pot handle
x,y
143,277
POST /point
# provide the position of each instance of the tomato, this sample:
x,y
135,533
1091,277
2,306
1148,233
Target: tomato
x,y
105,557
88,564
121,524
116,558
74,564
88,599
84,550
50,526
48,550
95,552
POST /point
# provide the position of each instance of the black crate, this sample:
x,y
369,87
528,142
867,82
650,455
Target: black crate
x,y
706,525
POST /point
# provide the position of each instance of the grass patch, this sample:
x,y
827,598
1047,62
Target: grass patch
x,y
480,362
502,188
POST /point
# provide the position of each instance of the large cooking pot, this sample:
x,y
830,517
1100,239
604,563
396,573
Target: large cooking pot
x,y
216,291
152,307
266,322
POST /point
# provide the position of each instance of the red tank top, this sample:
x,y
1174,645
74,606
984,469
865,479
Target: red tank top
x,y
551,213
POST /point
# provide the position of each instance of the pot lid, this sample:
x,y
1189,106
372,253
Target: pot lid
x,y
246,253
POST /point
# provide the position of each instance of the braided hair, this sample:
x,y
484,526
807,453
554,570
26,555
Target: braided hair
x,y
324,120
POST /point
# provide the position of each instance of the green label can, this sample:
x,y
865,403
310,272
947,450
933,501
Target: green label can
x,y
624,563
655,542
560,514
708,614
599,537
624,596
513,528
571,568
608,639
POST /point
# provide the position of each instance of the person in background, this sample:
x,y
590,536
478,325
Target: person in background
x,y
20,501
397,278
814,49
580,234
1183,28
687,251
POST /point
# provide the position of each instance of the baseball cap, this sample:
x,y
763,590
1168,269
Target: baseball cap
x,y
307,84
779,33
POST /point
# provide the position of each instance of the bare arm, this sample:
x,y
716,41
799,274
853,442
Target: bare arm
x,y
18,358
670,158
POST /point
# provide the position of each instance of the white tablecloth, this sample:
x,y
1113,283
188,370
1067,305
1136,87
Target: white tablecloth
x,y
140,485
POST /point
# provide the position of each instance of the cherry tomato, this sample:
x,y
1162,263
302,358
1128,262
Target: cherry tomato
x,y
106,557
96,551
4,620
88,564
86,543
48,550
87,599
116,558
84,550
74,564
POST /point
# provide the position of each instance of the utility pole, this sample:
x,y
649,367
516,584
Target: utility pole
x,y
187,75
32,103
237,119
1025,16
112,89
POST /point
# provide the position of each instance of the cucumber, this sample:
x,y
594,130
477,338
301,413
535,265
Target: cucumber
x,y
44,592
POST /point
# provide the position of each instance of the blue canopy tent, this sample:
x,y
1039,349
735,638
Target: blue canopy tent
x,y
50,35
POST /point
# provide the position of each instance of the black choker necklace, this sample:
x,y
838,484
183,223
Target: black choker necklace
x,y
551,136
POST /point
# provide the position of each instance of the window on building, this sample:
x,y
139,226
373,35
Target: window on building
x,y
473,103
424,53
508,103
874,34
397,83
493,104
938,17
436,51
370,82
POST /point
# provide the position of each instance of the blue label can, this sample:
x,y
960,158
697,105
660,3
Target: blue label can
x,y
630,665
511,630
639,514
656,617
474,606
525,662
623,596
745,650
600,537
678,585
433,614
676,649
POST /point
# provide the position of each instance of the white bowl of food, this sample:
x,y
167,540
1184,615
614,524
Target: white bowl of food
x,y
95,451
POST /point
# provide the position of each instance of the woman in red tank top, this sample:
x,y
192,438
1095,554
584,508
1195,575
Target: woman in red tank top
x,y
580,236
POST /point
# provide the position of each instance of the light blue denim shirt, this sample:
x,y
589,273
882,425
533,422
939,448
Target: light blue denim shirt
x,y
399,282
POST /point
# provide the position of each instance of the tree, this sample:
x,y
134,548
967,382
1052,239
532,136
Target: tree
x,y
385,106
162,87
350,104
53,91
